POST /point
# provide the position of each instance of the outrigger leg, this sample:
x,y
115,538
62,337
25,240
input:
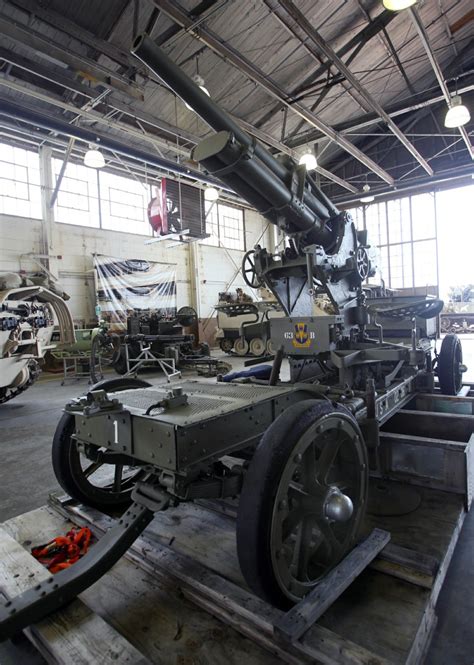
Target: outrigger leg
x,y
36,603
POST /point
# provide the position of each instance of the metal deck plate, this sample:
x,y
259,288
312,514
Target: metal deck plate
x,y
204,400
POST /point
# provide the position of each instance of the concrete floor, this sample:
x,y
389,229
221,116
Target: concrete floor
x,y
27,424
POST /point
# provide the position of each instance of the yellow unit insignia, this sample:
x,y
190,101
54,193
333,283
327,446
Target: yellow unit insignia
x,y
302,338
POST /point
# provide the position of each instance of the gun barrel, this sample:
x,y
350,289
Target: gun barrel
x,y
309,214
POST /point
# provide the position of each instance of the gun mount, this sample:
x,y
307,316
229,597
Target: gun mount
x,y
298,453
26,329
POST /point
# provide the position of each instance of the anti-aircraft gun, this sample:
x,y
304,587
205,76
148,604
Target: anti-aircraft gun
x,y
299,453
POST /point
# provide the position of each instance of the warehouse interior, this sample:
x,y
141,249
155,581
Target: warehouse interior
x,y
200,197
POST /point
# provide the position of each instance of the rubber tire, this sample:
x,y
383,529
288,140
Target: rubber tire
x,y
241,348
259,490
448,383
253,342
62,449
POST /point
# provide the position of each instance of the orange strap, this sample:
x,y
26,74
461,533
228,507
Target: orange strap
x,y
62,551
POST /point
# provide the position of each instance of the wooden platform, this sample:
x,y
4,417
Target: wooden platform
x,y
144,610
178,595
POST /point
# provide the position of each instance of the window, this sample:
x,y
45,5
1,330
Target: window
x,y
123,204
404,231
225,224
78,197
20,191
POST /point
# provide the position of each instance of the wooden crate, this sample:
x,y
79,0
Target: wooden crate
x,y
385,616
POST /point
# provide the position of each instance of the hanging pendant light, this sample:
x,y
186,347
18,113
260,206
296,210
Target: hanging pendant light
x,y
93,158
458,114
368,198
309,160
398,5
211,194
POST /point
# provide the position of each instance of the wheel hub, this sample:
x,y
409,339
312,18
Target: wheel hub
x,y
338,507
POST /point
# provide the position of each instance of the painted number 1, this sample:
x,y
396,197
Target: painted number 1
x,y
116,431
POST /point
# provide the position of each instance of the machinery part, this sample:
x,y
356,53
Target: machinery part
x,y
303,500
241,346
450,367
9,392
363,263
186,316
270,347
226,344
36,603
425,309
105,352
93,482
257,346
249,271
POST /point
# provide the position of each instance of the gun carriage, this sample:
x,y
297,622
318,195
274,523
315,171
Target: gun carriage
x,y
297,453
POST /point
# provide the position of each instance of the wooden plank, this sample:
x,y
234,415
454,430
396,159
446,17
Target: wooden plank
x,y
252,616
394,609
151,613
406,564
304,614
72,636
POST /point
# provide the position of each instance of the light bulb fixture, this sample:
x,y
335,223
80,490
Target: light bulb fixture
x,y
398,5
458,114
199,81
368,198
211,194
93,158
309,160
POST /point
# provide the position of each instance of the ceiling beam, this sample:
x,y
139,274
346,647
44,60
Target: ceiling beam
x,y
31,39
56,20
356,43
230,54
66,80
423,35
298,25
425,183
23,113
93,116
407,106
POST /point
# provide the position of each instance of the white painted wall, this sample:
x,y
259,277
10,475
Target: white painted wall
x,y
215,267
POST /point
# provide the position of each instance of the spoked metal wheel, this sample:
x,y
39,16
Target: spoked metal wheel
x,y
303,500
80,472
249,272
105,352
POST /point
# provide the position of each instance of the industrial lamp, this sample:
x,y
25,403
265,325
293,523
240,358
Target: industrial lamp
x,y
398,5
93,158
458,114
211,194
309,160
368,198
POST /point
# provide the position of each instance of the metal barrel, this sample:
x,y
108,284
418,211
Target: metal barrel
x,y
175,78
280,200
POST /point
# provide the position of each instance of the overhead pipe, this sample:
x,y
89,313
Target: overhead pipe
x,y
52,124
